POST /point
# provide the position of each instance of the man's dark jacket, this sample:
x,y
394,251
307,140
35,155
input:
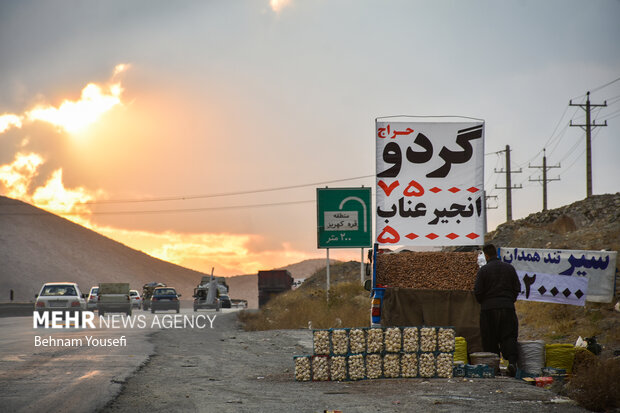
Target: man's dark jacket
x,y
497,285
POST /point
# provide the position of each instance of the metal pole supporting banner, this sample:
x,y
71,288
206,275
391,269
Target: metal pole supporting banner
x,y
362,267
327,273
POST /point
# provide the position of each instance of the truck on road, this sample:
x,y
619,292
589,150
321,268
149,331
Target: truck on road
x,y
114,297
271,283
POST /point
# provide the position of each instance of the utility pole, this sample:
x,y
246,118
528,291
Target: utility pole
x,y
588,126
509,187
544,179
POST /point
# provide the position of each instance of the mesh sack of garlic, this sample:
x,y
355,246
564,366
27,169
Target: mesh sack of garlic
x,y
409,365
340,342
356,368
445,339
338,368
357,340
410,339
374,340
373,366
391,365
320,368
426,365
392,339
428,339
445,365
320,340
302,368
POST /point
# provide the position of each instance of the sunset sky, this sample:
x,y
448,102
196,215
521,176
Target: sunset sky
x,y
198,131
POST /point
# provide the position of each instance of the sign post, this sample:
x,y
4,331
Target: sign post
x,y
344,220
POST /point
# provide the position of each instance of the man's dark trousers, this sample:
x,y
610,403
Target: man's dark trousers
x,y
499,328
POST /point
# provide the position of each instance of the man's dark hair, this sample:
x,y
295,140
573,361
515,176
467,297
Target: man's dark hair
x,y
489,250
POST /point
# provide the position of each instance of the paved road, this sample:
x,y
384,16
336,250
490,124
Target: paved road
x,y
78,378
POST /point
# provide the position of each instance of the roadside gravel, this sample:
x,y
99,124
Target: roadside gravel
x,y
226,369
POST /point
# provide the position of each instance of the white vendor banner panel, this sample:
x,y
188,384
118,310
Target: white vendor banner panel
x,y
563,276
430,183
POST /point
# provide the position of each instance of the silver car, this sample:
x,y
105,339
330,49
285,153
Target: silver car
x,y
136,300
92,298
62,296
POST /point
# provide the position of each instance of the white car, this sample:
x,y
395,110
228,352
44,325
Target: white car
x,y
61,296
136,300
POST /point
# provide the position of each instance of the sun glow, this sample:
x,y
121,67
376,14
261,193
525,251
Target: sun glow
x,y
76,116
73,116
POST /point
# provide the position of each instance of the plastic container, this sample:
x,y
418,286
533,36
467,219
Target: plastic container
x,y
474,371
458,370
490,359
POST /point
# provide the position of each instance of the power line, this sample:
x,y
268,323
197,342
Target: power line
x,y
163,211
598,88
216,195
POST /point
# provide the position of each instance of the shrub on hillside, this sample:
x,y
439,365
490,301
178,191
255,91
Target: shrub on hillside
x,y
596,384
348,306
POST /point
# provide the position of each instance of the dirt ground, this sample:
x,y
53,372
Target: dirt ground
x,y
229,370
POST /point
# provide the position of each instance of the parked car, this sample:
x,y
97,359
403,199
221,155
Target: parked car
x,y
136,300
225,300
60,296
92,298
165,298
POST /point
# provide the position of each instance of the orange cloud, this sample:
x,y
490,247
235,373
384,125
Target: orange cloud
x,y
16,176
73,116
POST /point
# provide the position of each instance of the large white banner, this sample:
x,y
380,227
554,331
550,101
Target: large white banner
x,y
430,183
563,276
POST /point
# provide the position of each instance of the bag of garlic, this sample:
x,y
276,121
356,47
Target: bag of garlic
x,y
357,340
320,368
391,365
303,368
338,368
339,341
320,341
392,340
356,367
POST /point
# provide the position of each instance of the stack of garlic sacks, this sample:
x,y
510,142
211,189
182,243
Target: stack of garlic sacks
x,y
373,353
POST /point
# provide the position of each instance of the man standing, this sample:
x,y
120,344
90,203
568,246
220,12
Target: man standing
x,y
496,289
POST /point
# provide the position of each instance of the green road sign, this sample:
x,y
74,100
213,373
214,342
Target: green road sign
x,y
344,218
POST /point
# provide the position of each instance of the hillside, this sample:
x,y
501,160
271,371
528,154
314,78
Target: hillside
x,y
37,247
589,224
